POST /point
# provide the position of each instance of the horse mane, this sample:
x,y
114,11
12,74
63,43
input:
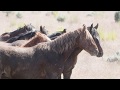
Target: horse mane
x,y
66,41
39,37
24,29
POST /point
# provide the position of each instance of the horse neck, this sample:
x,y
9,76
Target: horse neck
x,y
27,35
17,32
42,37
65,43
76,51
31,42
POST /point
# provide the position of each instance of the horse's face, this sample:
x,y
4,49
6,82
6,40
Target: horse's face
x,y
87,42
96,37
43,30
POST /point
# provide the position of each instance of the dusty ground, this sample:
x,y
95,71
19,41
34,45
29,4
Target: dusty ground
x,y
87,67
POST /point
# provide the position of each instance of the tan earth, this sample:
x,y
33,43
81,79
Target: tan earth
x,y
87,67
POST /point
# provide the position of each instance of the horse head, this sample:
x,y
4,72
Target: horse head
x,y
43,30
85,41
93,31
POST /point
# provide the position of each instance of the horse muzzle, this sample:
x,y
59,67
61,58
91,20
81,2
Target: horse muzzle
x,y
100,54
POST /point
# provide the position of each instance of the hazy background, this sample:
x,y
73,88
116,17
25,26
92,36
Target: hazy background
x,y
87,66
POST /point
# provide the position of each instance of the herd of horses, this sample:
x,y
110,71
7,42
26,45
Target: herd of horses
x,y
27,53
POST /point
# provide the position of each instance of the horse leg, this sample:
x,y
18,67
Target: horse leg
x,y
67,75
59,77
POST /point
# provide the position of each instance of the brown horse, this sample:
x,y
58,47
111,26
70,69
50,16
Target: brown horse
x,y
71,61
38,38
45,60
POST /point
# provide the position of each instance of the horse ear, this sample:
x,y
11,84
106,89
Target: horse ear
x,y
40,28
64,30
96,26
84,26
44,27
91,25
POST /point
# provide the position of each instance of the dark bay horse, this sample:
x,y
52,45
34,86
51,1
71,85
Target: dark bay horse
x,y
25,29
53,35
43,30
72,59
44,60
27,35
56,34
23,36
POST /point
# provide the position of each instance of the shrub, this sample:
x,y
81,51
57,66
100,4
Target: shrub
x,y
107,36
117,16
7,13
18,15
60,18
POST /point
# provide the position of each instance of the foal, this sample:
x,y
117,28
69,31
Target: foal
x,y
45,60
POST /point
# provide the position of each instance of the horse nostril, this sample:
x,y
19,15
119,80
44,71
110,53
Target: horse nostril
x,y
100,54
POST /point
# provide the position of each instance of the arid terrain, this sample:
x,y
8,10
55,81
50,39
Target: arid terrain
x,y
87,66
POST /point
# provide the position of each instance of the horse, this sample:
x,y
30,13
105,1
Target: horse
x,y
22,39
56,34
42,38
72,59
44,60
23,36
53,35
29,35
38,38
18,43
43,30
24,29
